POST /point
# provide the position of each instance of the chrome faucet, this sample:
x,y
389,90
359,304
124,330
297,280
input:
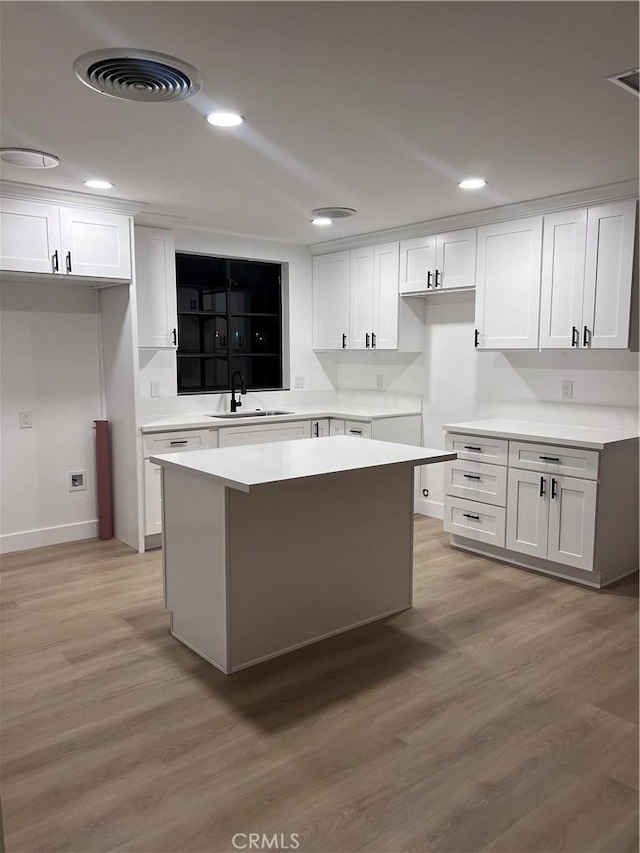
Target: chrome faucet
x,y
236,404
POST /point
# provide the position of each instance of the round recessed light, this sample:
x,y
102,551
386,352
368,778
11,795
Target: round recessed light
x,y
472,184
28,159
321,220
333,212
99,185
225,119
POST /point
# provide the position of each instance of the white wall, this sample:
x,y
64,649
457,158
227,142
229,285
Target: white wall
x,y
50,366
459,383
159,366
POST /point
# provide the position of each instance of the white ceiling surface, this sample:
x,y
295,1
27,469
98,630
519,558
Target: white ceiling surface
x,y
381,106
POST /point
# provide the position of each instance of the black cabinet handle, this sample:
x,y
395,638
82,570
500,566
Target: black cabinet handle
x,y
472,476
428,279
469,447
468,515
437,274
367,340
316,427
174,443
344,341
543,487
373,340
355,431
69,265
56,265
477,339
586,337
575,337
554,487
549,458
175,337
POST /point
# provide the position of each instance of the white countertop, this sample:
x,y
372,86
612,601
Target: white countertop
x,y
249,466
200,420
594,438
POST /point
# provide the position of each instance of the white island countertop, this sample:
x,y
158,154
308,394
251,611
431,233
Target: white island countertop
x,y
342,411
594,438
251,466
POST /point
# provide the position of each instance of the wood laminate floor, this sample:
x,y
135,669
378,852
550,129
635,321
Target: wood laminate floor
x,y
500,714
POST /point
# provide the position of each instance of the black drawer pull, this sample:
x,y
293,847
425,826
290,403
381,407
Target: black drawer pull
x,y
472,476
469,447
174,443
550,458
355,431
468,515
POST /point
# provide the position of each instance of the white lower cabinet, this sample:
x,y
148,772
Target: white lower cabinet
x,y
152,498
357,429
535,515
320,429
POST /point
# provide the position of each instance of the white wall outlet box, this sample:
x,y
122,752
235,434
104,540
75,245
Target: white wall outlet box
x,y
379,382
155,389
567,389
298,381
77,481
26,420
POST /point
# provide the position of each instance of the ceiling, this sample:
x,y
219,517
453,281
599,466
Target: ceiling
x,y
380,106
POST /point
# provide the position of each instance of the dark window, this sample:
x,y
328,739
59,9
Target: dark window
x,y
229,318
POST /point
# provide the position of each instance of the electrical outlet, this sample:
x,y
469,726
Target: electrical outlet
x,y
155,389
567,389
379,382
298,381
77,481
26,420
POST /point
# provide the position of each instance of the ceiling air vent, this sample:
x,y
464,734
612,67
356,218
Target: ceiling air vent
x,y
138,75
333,212
628,80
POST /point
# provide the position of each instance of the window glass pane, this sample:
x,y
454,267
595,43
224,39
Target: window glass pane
x,y
215,334
188,299
189,374
189,333
259,371
216,374
255,334
214,300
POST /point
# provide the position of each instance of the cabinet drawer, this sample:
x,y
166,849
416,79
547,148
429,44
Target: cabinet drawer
x,y
171,442
476,481
263,433
358,429
474,520
552,459
479,448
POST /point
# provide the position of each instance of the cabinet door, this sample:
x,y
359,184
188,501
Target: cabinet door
x,y
607,284
156,287
527,512
456,259
336,427
508,284
331,301
385,295
572,521
563,248
152,498
320,429
263,433
360,298
95,244
417,264
29,237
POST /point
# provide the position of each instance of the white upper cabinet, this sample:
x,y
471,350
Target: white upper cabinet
x,y
361,298
508,284
388,332
67,241
29,236
155,281
606,309
564,241
440,262
331,301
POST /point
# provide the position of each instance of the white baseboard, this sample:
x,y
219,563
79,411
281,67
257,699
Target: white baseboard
x,y
25,539
431,508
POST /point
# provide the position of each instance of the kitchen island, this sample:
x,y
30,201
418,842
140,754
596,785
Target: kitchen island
x,y
267,548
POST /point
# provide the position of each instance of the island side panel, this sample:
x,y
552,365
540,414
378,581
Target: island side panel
x,y
313,558
195,562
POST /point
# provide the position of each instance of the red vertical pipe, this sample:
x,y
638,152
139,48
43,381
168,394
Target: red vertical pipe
x,y
104,480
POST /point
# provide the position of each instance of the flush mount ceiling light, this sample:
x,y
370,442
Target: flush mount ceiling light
x,y
472,184
138,75
225,119
99,185
28,159
321,220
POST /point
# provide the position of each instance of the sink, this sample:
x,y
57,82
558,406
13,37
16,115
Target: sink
x,y
263,413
